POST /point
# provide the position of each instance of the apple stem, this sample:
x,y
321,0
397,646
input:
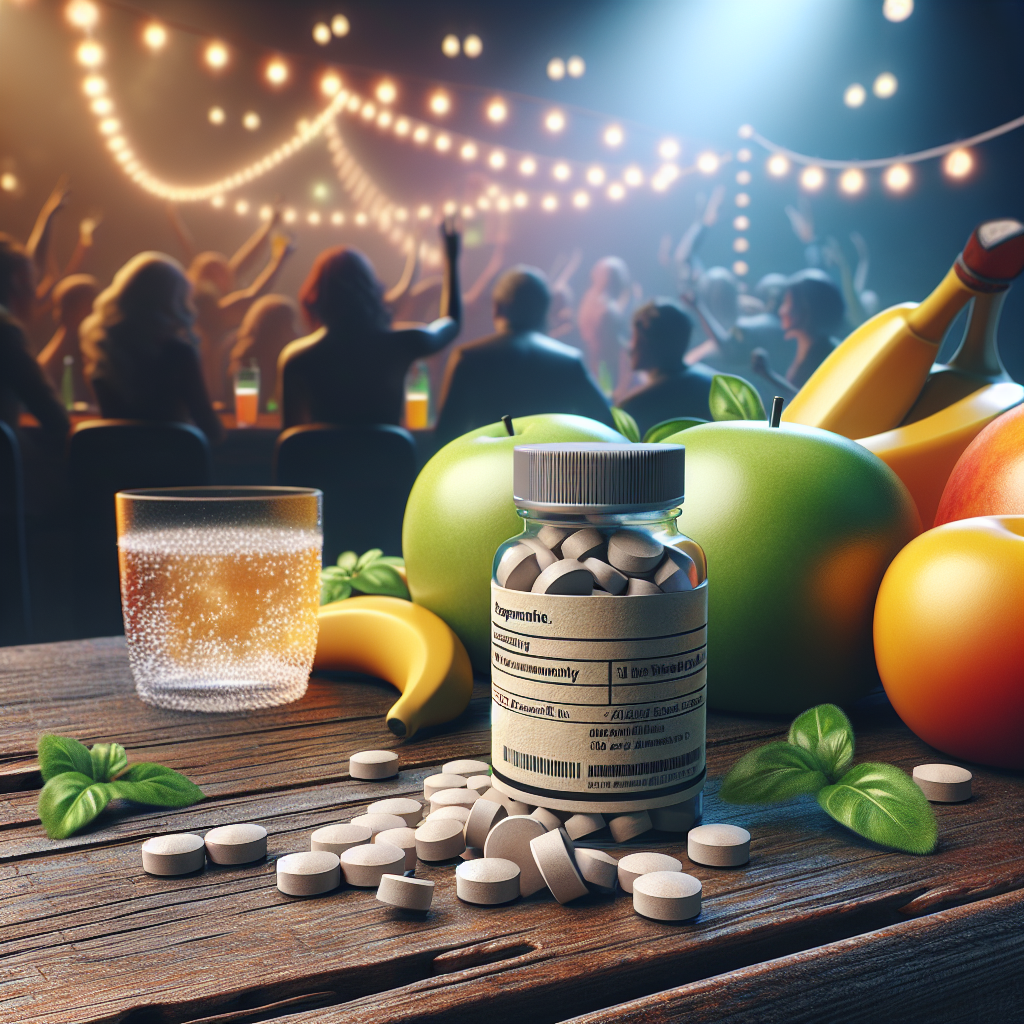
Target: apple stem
x,y
507,420
776,417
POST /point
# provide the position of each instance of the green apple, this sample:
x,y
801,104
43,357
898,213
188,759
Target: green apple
x,y
461,509
799,526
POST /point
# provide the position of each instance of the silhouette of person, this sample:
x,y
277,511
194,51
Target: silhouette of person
x,y
661,334
141,354
352,368
811,314
603,321
518,371
270,324
22,381
73,297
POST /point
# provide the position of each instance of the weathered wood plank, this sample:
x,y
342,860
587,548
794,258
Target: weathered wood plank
x,y
959,966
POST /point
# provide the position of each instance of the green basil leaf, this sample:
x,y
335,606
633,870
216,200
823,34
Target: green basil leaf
x,y
625,424
70,801
826,734
367,557
769,774
335,590
59,754
883,804
666,428
381,579
347,560
396,560
147,783
733,398
335,572
107,760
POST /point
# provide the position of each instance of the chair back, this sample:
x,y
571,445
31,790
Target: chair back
x,y
15,604
365,473
104,457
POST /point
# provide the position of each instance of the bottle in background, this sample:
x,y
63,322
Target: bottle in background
x,y
247,395
417,399
67,384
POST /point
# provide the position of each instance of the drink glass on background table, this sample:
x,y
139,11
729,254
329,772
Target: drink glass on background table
x,y
220,588
247,396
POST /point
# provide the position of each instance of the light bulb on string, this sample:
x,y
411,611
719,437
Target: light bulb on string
x,y
154,35
402,127
581,200
321,33
741,223
340,26
707,163
442,143
554,121
101,106
110,126
420,135
369,112
384,119
897,178
778,165
561,171
520,200
276,71
82,14
216,56
576,67
503,204
440,103
450,46
250,120
616,191
740,268
897,10
528,166
740,245
386,92
743,177
468,151
337,218
472,46
745,131
8,182
885,85
217,202
812,179
424,212
483,203
468,212
330,83
497,111
852,181
633,176
549,203
556,69
668,149
613,136
744,155
742,200
354,103
595,176
94,85
855,95
241,207
497,160
959,163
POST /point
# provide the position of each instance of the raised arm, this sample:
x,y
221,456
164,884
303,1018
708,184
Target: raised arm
x,y
181,232
235,305
249,249
487,275
396,292
424,341
38,245
86,229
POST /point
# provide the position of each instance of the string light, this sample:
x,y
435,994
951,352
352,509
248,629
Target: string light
x,y
472,46
89,54
576,67
743,177
778,165
812,178
216,56
384,118
745,131
581,200
741,223
855,95
852,181
595,176
450,46
440,104
549,203
616,191
402,126
897,10
442,143
959,163
633,176
668,149
420,135
497,160
740,245
217,202
241,207
340,26
554,121
556,69
744,155
740,268
497,111
520,200
613,136
528,166
94,85
101,107
897,178
369,112
82,14
109,126
561,171
885,85
468,151
330,83
8,182
154,35
707,163
386,92
742,199
337,218
250,120
322,33
276,72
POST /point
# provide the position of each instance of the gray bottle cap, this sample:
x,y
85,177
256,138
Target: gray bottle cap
x,y
598,478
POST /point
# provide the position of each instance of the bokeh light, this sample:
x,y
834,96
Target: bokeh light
x,y
742,199
897,10
497,159
741,223
330,83
898,178
241,207
745,131
885,85
450,46
743,177
276,72
812,179
855,95
668,149
216,115
250,120
216,56
472,46
340,26
322,33
82,14
561,171
549,203
497,111
959,163
402,126
89,54
744,155
468,151
520,200
778,165
110,126
442,143
740,245
554,121
595,176
740,268
8,182
576,67
852,181
386,92
528,166
337,218
616,191
94,85
707,163
420,135
556,69
581,200
154,35
613,136
440,103
101,107
633,176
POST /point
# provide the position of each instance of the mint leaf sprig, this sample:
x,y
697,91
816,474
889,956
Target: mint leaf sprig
x,y
877,801
373,572
79,783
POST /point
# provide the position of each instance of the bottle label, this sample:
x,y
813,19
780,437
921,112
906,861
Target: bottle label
x,y
599,702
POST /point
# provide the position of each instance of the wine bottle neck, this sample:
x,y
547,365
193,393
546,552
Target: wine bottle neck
x,y
978,352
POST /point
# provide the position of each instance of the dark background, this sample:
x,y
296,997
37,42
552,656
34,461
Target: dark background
x,y
693,68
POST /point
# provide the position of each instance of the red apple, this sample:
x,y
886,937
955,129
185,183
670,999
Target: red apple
x,y
988,479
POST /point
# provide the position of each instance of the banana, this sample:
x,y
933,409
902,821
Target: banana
x,y
923,453
406,645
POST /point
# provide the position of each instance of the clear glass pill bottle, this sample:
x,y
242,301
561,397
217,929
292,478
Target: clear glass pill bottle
x,y
599,634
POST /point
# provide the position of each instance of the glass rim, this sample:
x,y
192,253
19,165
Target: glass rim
x,y
219,493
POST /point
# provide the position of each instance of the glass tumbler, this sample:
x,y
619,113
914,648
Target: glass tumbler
x,y
247,396
220,588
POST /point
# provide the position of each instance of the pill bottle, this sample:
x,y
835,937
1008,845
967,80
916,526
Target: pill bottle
x,y
599,634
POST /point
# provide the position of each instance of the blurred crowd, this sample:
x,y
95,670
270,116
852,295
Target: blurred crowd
x,y
166,340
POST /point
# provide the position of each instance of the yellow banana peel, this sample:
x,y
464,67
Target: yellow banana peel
x,y
922,454
404,644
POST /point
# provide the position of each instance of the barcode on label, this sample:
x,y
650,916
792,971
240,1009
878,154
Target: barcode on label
x,y
618,771
542,765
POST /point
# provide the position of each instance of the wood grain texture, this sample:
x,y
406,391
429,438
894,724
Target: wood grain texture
x,y
85,935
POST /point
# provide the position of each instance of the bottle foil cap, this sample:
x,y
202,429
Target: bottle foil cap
x,y
598,478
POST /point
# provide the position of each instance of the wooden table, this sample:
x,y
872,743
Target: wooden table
x,y
820,926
